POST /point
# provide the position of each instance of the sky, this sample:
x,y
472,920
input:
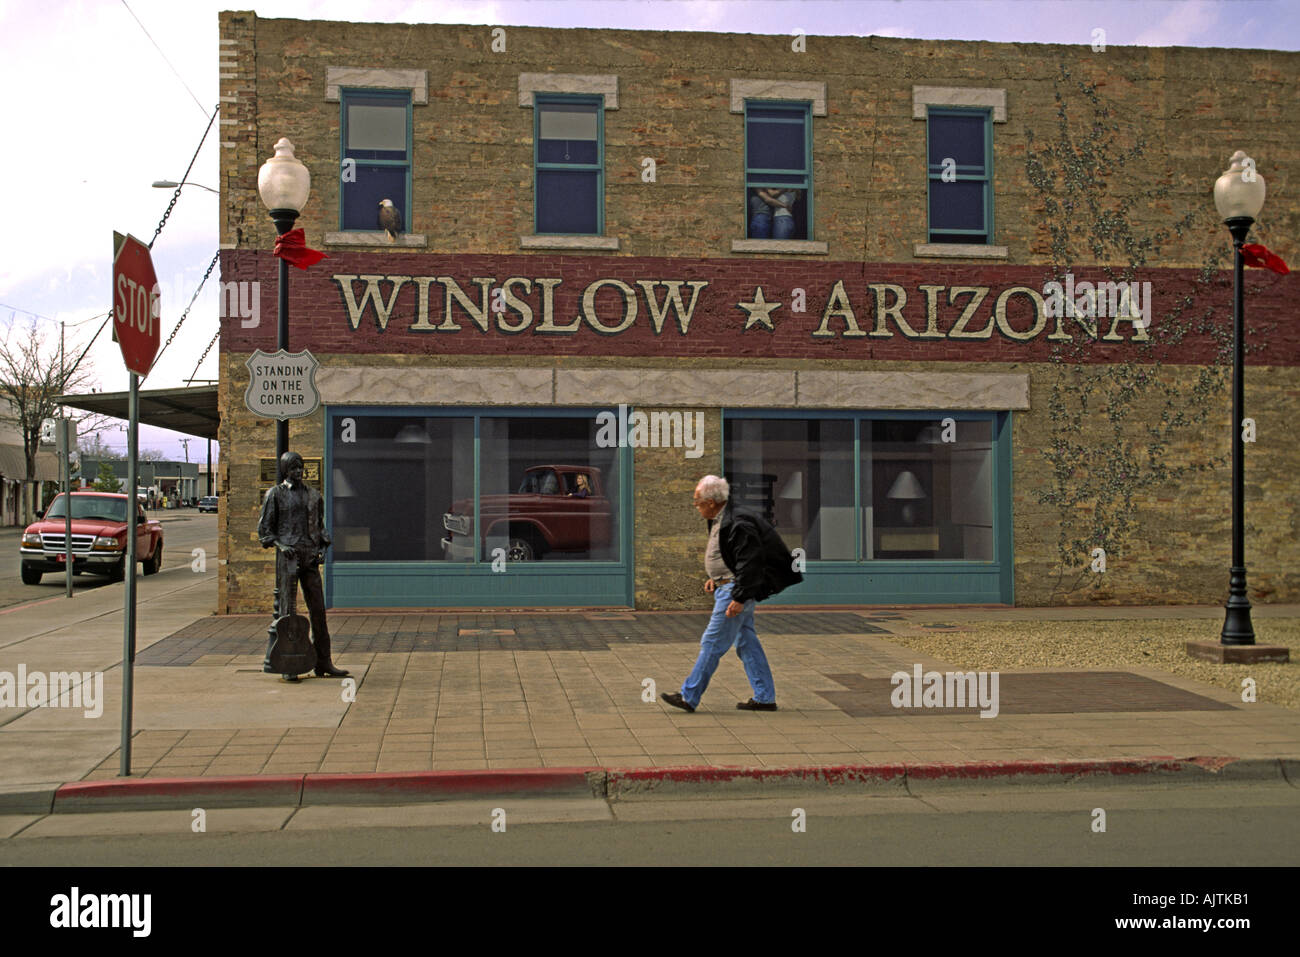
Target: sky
x,y
103,97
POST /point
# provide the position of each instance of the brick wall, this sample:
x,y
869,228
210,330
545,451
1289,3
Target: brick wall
x,y
473,142
1178,552
320,318
473,199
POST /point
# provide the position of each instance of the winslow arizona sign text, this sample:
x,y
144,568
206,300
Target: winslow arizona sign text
x,y
847,309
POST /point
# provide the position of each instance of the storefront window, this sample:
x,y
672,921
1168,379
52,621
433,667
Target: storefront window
x,y
927,489
547,492
394,477
925,485
798,474
404,489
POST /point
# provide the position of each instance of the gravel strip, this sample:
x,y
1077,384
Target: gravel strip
x,y
1117,645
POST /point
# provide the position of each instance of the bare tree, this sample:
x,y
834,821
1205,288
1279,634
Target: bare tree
x,y
33,371
93,446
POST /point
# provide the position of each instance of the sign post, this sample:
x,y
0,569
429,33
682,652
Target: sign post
x,y
55,432
65,460
136,330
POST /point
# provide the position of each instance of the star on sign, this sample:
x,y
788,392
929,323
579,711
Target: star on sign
x,y
760,311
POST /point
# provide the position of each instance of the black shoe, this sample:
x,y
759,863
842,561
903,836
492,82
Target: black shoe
x,y
328,670
676,700
293,678
752,705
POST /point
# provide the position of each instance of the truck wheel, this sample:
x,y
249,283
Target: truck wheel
x,y
520,550
118,572
31,576
154,563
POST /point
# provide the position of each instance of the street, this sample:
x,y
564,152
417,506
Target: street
x,y
1221,826
183,531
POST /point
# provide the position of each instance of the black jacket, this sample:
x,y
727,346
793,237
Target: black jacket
x,y
754,551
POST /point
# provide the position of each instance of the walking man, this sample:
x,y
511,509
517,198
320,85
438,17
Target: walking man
x,y
293,520
746,562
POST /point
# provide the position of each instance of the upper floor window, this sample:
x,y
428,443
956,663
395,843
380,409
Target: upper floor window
x,y
960,158
376,152
778,170
569,165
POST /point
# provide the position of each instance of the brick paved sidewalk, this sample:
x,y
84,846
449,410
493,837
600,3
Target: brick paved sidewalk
x,y
464,692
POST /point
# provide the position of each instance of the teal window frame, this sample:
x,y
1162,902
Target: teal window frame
x,y
598,101
406,583
911,580
403,95
963,174
754,176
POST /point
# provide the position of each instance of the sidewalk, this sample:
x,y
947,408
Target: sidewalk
x,y
565,694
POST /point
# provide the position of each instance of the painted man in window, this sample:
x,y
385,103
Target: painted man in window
x,y
293,520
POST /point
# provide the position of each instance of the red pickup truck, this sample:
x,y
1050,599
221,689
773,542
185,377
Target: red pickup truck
x,y
549,513
98,538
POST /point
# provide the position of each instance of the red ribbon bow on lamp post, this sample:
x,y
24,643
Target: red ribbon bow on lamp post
x,y
292,248
1255,254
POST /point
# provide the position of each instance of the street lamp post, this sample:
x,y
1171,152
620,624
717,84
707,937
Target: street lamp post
x,y
284,184
1239,196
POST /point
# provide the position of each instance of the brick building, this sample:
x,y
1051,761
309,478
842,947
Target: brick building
x,y
819,266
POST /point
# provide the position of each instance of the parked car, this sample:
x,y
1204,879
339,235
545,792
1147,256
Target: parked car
x,y
547,514
99,529
208,503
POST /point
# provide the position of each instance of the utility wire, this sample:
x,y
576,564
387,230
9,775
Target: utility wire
x,y
92,341
181,185
164,56
215,335
211,266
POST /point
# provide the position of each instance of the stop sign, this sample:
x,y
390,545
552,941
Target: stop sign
x,y
136,320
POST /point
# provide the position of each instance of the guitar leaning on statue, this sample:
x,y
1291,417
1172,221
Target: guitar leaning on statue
x,y
293,652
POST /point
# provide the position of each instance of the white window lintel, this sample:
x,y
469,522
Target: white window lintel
x,y
604,84
811,90
927,96
338,78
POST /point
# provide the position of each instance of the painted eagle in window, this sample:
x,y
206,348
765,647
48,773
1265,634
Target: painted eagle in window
x,y
390,219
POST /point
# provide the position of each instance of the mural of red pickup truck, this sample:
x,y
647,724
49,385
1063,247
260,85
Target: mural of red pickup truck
x,y
98,538
549,513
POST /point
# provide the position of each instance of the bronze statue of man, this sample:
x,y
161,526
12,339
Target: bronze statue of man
x,y
293,520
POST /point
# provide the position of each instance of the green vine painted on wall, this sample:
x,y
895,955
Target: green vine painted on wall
x,y
1152,422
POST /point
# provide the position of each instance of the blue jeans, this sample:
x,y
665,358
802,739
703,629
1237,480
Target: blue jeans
x,y
782,227
760,219
721,634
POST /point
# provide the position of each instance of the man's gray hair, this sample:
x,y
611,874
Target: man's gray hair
x,y
714,488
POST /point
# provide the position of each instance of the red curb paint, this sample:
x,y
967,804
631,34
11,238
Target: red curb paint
x,y
300,789
706,774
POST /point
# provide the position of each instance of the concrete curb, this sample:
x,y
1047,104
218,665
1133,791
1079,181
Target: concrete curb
x,y
154,794
388,788
900,778
427,786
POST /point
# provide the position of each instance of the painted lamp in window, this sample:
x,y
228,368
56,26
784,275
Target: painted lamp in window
x,y
907,488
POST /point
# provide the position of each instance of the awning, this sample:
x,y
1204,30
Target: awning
x,y
13,465
190,410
